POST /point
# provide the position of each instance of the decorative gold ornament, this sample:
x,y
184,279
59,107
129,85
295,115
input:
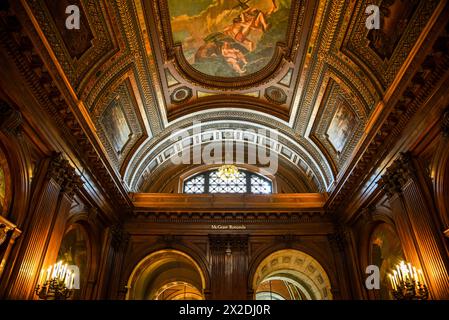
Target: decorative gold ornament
x,y
228,172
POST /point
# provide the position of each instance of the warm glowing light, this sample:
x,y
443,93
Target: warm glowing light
x,y
407,283
228,172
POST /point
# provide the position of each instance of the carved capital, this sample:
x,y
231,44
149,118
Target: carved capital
x,y
119,236
445,123
57,168
339,239
397,174
10,119
72,182
64,174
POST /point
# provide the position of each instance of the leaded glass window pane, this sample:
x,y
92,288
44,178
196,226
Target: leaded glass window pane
x,y
210,182
217,185
195,185
260,185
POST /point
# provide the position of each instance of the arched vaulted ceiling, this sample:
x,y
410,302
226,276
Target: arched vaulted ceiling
x,y
310,69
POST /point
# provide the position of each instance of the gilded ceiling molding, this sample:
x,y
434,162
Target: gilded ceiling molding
x,y
365,49
96,35
421,83
336,97
133,57
121,98
303,146
50,97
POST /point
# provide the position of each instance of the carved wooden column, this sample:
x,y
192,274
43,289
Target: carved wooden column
x,y
50,203
415,218
348,285
114,248
229,272
441,189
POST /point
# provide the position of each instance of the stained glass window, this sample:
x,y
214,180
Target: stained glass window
x,y
210,182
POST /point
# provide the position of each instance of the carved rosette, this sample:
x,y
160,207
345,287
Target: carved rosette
x,y
397,175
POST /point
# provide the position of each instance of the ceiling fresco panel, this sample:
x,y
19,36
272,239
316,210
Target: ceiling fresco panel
x,y
119,122
229,38
338,124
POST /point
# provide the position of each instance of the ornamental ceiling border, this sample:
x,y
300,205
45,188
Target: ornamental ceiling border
x,y
104,43
136,58
327,57
287,157
333,93
51,97
356,45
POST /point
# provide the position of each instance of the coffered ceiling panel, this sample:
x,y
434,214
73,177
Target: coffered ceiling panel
x,y
79,52
381,53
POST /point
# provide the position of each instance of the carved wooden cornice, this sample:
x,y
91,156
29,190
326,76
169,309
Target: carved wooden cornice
x,y
397,174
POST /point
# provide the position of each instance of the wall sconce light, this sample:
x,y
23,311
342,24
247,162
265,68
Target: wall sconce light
x,y
407,283
56,283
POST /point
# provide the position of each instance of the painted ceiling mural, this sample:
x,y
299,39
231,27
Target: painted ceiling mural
x,y
309,69
229,38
